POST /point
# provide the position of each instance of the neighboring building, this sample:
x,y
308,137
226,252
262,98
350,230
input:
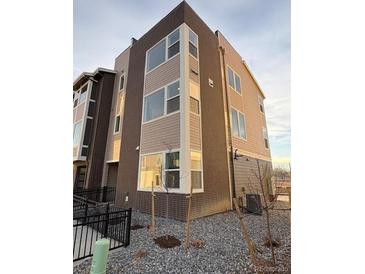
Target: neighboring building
x,y
184,111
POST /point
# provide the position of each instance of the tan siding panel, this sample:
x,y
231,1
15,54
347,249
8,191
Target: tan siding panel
x,y
195,134
163,75
159,134
193,67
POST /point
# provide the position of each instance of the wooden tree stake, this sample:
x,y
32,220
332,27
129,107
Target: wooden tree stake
x,y
153,211
250,245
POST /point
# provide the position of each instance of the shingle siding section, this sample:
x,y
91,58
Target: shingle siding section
x,y
195,134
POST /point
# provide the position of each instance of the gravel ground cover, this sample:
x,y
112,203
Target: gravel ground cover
x,y
224,249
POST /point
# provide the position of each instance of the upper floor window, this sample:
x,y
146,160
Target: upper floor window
x,y
76,99
155,106
266,138
261,104
121,82
234,80
193,44
77,133
83,93
194,105
238,124
117,124
165,49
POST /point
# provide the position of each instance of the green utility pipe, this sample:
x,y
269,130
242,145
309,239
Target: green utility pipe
x,y
100,257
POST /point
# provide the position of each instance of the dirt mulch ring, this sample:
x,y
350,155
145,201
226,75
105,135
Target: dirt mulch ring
x,y
167,241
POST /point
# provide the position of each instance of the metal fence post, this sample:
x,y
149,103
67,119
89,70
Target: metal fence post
x,y
104,192
128,227
85,211
106,221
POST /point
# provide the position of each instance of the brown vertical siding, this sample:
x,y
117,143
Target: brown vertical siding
x,y
104,93
129,156
195,132
216,183
161,134
163,75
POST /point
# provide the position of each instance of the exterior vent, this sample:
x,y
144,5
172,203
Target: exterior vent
x,y
211,84
253,203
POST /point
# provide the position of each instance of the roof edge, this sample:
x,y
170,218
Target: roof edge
x,y
90,74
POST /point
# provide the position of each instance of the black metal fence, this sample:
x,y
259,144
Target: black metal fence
x,y
103,194
96,222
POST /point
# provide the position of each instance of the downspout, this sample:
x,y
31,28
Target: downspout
x,y
228,129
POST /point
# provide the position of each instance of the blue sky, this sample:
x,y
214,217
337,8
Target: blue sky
x,y
258,29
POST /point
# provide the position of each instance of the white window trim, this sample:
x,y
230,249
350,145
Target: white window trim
x,y
161,189
166,51
115,123
120,79
234,80
78,94
198,190
197,46
239,127
165,114
264,129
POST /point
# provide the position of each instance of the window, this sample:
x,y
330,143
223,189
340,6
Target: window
x,y
238,124
77,133
196,173
173,44
261,104
172,165
167,48
156,55
193,44
83,93
150,173
121,82
154,105
76,102
173,97
194,105
234,80
117,124
266,138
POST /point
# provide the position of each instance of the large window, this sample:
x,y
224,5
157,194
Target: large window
x,y
165,49
154,105
238,124
172,166
196,170
193,44
234,80
266,138
157,55
77,133
151,167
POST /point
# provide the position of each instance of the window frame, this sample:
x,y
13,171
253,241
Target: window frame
x,y
234,80
115,123
197,190
171,169
265,136
165,114
261,104
120,80
166,50
161,187
197,45
239,126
